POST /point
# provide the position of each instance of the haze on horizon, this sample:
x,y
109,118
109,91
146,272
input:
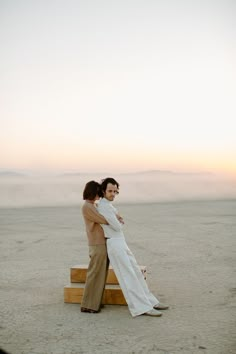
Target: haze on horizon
x,y
120,86
143,187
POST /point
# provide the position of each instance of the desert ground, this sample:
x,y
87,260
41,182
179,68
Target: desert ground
x,y
188,249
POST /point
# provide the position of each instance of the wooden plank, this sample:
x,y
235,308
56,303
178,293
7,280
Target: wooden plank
x,y
113,294
78,274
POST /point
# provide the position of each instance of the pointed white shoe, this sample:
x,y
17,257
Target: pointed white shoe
x,y
153,313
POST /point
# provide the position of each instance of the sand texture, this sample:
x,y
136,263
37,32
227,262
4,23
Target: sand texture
x,y
187,247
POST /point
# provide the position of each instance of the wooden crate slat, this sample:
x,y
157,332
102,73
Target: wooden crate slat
x,y
78,274
113,294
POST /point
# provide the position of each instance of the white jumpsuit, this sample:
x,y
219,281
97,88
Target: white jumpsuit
x,y
131,280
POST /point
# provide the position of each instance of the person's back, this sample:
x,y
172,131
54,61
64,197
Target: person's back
x,y
92,220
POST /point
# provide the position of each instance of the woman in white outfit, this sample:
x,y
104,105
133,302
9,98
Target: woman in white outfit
x,y
139,299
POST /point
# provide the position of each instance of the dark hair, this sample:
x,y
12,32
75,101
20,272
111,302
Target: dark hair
x,y
91,190
105,183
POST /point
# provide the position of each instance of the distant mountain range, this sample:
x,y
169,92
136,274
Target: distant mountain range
x,y
9,173
167,172
146,172
12,174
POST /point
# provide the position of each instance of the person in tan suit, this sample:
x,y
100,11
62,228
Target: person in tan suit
x,y
99,262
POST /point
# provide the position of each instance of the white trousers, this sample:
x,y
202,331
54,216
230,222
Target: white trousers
x,y
137,295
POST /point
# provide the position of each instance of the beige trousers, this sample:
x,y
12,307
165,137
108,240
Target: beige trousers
x,y
96,277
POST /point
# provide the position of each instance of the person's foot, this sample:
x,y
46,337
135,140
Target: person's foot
x,y
84,309
153,312
161,306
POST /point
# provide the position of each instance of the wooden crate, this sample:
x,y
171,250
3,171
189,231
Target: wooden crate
x,y
78,274
113,294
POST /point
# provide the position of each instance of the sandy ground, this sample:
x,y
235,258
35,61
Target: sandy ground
x,y
188,248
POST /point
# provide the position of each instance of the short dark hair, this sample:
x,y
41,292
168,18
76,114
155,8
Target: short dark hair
x,y
105,182
91,190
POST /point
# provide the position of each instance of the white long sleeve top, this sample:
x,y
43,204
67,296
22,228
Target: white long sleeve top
x,y
114,229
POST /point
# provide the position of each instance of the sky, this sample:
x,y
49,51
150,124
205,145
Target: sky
x,y
118,85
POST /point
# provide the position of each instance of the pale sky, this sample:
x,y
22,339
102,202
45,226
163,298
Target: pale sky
x,y
123,85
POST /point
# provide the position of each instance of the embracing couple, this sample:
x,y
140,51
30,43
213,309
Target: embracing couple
x,y
107,244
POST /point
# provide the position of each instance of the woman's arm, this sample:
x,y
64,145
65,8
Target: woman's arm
x,y
92,214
